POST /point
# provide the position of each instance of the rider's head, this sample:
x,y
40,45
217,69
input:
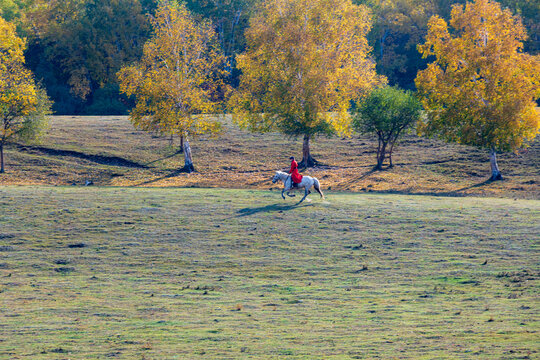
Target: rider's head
x,y
291,158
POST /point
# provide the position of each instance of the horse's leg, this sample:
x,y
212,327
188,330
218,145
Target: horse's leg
x,y
282,191
307,187
305,195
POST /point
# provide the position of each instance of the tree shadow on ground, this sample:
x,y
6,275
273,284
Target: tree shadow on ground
x,y
163,158
108,160
371,171
455,192
268,208
170,175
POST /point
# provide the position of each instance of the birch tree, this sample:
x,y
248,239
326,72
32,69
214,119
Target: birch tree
x,y
481,88
177,80
306,60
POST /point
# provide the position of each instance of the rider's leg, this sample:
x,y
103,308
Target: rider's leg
x,y
289,184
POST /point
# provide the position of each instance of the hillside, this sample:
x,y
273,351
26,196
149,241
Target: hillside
x,y
110,152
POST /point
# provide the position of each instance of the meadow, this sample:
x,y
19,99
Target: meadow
x,y
109,250
170,273
110,152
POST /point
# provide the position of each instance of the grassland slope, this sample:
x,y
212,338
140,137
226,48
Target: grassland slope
x,y
109,151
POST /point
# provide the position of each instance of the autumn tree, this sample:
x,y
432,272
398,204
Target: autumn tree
x,y
9,10
387,113
481,88
178,78
399,25
529,11
23,105
305,61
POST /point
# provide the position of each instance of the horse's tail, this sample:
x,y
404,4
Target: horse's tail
x,y
317,186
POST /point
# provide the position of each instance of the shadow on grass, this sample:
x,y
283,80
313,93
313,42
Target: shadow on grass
x,y
170,175
164,158
268,208
372,170
98,159
456,193
485,182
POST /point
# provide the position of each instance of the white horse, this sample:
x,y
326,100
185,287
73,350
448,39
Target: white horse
x,y
306,183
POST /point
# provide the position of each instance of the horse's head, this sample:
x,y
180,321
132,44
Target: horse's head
x,y
275,178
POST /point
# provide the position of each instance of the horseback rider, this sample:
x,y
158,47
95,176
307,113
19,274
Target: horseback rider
x,y
295,175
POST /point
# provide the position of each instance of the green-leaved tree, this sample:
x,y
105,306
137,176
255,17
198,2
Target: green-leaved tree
x,y
387,113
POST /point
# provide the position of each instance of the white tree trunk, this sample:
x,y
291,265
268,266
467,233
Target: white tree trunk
x,y
188,161
495,173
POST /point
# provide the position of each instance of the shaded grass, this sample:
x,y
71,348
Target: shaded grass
x,y
127,273
109,151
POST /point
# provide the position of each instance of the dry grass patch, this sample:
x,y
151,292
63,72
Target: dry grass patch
x,y
108,151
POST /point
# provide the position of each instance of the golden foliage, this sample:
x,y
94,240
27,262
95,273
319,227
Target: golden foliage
x,y
177,79
306,60
481,89
18,93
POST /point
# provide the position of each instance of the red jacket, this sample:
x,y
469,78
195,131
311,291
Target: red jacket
x,y
296,177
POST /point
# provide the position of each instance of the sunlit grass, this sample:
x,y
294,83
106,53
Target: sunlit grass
x,y
129,273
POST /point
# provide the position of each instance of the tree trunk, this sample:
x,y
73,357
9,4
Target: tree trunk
x,y
181,144
381,153
495,173
390,155
188,161
307,159
1,158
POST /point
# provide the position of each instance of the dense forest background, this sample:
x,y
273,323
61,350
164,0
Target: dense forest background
x,y
76,47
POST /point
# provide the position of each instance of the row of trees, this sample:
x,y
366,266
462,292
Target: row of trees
x,y
76,47
307,61
307,64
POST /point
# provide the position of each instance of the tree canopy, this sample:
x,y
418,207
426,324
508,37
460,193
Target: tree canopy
x,y
481,88
305,61
23,105
178,78
75,47
387,112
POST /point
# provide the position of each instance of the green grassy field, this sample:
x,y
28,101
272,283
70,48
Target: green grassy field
x,y
161,273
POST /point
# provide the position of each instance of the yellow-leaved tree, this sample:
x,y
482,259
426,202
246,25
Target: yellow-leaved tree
x,y
24,107
177,80
481,88
306,60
